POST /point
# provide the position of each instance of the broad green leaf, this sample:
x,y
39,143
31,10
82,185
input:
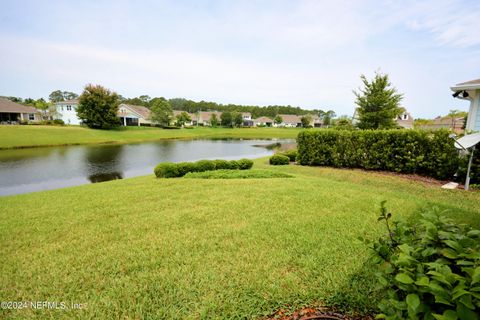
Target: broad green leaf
x,y
404,278
466,314
449,253
473,233
423,281
450,315
476,275
413,301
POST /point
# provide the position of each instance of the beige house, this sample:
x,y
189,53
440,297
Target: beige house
x,y
288,121
454,124
12,112
405,120
131,115
264,121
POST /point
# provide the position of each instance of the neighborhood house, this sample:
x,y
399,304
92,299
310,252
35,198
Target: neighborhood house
x,y
67,111
470,90
13,113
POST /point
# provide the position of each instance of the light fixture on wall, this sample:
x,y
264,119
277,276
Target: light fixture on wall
x,y
463,93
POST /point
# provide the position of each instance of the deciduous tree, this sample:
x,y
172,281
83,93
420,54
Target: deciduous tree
x,y
98,107
161,112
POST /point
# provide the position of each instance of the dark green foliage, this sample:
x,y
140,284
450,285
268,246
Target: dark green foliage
x,y
378,104
405,151
291,154
166,170
221,164
306,120
59,122
59,95
161,112
98,107
237,174
234,165
204,165
237,119
279,160
475,169
185,167
172,170
226,119
429,269
245,164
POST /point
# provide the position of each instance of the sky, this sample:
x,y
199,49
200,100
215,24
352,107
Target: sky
x,y
301,53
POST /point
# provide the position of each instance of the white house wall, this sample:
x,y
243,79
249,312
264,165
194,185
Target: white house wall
x,y
68,116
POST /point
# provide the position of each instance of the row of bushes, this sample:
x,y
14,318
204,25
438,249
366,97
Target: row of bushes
x,y
173,170
429,153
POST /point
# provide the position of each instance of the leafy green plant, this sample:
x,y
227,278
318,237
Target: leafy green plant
x,y
291,154
245,164
204,165
428,269
279,159
185,167
166,170
237,174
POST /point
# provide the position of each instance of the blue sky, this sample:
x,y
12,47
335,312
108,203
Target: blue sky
x,y
303,53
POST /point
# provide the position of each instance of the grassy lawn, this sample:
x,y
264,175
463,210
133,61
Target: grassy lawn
x,y
34,136
204,248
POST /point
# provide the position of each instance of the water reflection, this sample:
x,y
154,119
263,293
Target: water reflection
x,y
103,163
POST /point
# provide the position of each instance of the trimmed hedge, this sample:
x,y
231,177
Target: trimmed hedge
x,y
429,153
291,154
279,160
172,170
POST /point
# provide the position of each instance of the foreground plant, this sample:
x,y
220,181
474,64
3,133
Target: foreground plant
x,y
428,269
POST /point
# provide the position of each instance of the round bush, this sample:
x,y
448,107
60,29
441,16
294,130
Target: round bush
x,y
166,170
221,164
291,154
204,165
59,122
233,165
279,159
185,167
245,164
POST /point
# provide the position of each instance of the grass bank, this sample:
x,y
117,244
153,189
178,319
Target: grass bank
x,y
37,136
204,248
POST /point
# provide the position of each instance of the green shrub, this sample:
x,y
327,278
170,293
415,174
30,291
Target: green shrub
x,y
59,122
291,154
221,164
428,269
245,164
237,174
185,167
279,159
166,170
429,153
204,165
233,165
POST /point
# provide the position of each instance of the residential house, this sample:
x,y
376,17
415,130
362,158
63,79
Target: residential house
x,y
264,122
131,115
247,119
67,111
178,112
470,91
405,120
202,118
290,121
12,112
454,124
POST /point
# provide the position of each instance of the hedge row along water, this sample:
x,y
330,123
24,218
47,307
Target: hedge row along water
x,y
429,153
173,170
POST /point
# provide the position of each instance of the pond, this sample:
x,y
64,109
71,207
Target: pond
x,y
28,170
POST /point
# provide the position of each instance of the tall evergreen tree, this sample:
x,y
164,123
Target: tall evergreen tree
x,y
97,107
378,103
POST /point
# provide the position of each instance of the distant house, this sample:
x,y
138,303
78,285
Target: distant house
x,y
202,118
247,119
179,112
131,115
405,120
12,112
264,122
454,124
67,111
470,90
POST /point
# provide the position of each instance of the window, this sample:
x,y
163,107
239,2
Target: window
x,y
69,108
31,116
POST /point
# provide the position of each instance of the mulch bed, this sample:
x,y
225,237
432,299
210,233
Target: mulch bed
x,y
318,313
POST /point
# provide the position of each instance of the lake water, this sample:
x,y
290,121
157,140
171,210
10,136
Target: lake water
x,y
28,170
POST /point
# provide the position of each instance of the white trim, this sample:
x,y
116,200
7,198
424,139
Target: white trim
x,y
131,110
465,87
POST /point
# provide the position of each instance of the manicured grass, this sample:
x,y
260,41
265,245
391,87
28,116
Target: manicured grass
x,y
35,136
237,174
205,248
